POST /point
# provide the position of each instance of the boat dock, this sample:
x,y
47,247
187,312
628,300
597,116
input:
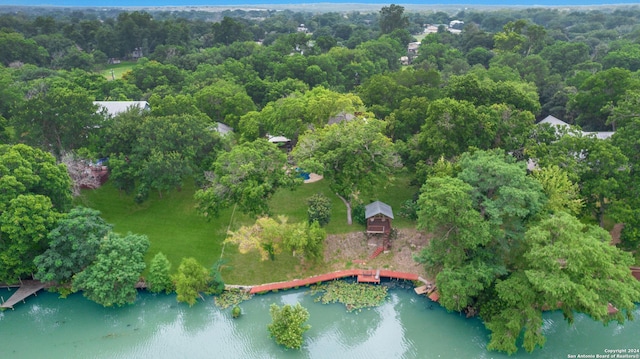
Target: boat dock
x,y
27,288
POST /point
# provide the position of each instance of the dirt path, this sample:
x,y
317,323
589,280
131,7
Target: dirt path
x,y
352,251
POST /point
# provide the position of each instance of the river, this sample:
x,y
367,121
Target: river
x,y
156,326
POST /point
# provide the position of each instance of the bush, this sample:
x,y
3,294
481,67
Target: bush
x,y
236,312
319,209
287,324
409,209
358,214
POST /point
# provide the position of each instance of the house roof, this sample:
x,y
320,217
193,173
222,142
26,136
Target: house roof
x,y
341,117
602,135
277,139
223,129
553,121
116,107
378,207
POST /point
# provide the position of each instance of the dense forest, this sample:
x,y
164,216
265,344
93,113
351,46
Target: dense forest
x,y
517,209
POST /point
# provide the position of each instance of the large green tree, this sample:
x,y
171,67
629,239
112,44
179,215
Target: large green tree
x,y
111,279
73,245
627,118
353,156
478,218
191,279
58,116
392,18
560,250
596,165
248,176
28,170
24,226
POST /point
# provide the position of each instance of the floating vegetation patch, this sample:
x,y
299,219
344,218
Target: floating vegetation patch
x,y
231,297
352,295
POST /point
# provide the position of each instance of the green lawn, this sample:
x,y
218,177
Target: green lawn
x,y
118,70
174,227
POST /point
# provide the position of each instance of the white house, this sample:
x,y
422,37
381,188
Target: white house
x,y
557,123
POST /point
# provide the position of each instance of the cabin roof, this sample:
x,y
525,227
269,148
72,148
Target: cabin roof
x,y
378,207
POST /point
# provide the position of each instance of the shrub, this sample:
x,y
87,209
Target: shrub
x,y
287,324
358,214
319,209
236,312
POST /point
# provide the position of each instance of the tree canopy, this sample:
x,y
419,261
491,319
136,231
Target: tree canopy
x,y
247,176
354,156
111,279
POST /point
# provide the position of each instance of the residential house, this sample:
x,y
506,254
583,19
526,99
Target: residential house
x,y
113,108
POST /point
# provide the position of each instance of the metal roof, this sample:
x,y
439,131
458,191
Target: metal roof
x,y
378,207
115,107
552,120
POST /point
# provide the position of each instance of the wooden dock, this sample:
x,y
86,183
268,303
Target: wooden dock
x,y
27,288
363,275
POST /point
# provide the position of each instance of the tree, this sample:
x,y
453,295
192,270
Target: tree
x,y
392,18
270,237
229,31
287,324
24,225
596,165
266,235
159,278
305,240
14,47
562,194
319,209
191,279
224,101
450,128
27,170
58,116
625,138
560,250
478,219
112,277
598,95
73,245
292,115
248,176
353,156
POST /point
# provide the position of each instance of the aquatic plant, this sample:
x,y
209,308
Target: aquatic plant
x,y
231,297
352,295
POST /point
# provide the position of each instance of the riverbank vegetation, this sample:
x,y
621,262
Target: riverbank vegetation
x,y
448,131
355,296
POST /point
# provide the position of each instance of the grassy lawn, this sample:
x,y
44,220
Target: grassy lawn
x,y
118,70
174,227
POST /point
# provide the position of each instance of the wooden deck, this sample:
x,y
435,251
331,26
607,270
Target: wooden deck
x,y
27,288
367,276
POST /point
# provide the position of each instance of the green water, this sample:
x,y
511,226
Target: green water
x,y
406,326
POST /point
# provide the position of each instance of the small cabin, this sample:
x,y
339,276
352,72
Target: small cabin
x,y
379,216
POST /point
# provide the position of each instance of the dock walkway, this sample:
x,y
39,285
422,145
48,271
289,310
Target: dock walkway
x,y
27,288
362,275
